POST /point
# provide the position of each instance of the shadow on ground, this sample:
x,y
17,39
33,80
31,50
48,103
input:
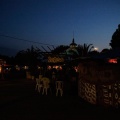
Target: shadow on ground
x,y
20,101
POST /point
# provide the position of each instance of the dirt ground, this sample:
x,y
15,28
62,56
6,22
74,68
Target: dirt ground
x,y
20,101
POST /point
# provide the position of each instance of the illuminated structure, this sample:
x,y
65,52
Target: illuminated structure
x,y
58,60
72,49
73,44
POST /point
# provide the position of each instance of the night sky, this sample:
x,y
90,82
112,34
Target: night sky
x,y
56,22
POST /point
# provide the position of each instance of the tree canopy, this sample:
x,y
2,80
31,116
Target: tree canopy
x,y
29,56
85,49
115,41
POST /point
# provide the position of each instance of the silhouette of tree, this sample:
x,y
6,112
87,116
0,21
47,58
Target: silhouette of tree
x,y
105,50
60,49
31,57
28,56
9,60
84,49
21,58
80,50
115,42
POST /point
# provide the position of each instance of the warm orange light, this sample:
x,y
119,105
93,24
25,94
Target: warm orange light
x,y
0,69
55,59
49,67
112,60
76,69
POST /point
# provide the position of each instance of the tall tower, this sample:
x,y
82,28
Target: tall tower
x,y
73,44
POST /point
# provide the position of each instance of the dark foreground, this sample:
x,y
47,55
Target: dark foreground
x,y
20,101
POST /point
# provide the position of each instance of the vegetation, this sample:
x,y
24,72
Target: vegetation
x,y
34,56
85,49
115,42
31,57
60,49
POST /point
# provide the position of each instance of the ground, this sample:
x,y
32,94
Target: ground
x,y
20,101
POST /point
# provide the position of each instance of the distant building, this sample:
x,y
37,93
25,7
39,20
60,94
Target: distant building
x,y
72,49
73,44
55,60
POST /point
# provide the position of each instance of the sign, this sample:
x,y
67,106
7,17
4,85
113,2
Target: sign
x,y
55,59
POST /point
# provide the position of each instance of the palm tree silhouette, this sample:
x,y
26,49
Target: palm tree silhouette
x,y
84,49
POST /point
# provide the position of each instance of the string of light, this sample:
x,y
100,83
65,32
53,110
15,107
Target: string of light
x,y
25,40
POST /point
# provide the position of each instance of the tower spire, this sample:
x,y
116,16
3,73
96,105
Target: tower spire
x,y
73,33
73,38
73,44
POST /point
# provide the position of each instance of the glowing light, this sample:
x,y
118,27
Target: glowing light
x,y
95,48
0,69
112,60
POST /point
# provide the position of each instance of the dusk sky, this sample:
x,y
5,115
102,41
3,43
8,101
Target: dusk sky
x,y
53,22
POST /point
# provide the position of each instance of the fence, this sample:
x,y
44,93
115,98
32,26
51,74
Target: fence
x,y
99,83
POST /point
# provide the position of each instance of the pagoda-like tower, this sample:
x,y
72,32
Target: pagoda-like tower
x,y
72,47
73,44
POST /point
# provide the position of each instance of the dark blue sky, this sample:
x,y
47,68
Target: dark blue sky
x,y
53,22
